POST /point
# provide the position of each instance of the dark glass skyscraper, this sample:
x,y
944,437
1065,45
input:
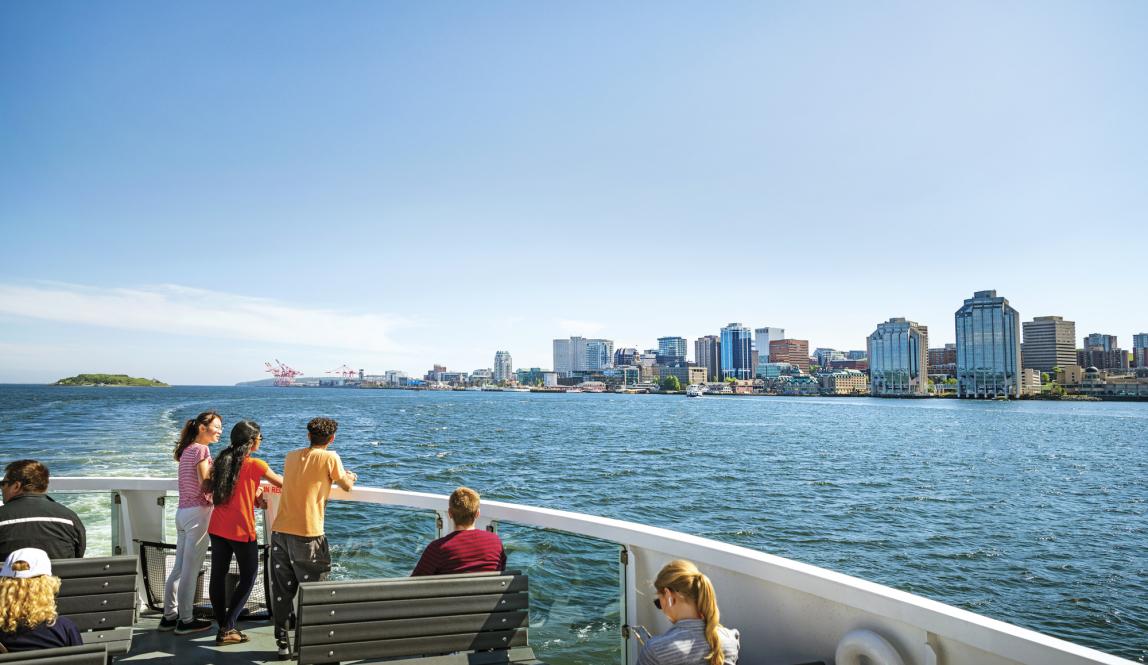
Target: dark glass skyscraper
x,y
988,347
736,352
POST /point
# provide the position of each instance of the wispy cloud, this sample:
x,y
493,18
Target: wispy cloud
x,y
183,310
583,328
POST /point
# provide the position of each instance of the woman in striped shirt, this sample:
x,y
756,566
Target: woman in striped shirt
x,y
191,521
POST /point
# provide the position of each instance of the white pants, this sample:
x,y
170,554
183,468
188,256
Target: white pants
x,y
191,543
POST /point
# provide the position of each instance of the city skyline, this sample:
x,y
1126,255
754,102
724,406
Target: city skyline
x,y
428,184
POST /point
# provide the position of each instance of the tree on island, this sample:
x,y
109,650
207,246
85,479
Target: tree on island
x,y
671,383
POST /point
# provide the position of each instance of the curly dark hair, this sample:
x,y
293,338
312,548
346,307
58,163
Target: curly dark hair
x,y
229,461
320,431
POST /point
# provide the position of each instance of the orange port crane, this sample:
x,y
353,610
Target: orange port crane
x,y
284,375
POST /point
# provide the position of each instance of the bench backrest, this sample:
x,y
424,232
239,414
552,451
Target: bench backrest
x,y
411,616
88,654
101,595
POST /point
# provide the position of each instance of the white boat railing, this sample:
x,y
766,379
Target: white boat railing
x,y
786,611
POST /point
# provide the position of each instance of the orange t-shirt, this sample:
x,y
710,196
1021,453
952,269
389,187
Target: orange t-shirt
x,y
235,520
307,477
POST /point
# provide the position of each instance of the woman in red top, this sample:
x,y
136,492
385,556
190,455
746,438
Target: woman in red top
x,y
235,480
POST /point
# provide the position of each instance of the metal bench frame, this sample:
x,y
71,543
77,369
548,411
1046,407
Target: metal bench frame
x,y
434,620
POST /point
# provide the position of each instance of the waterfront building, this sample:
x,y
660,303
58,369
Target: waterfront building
x,y
857,355
1049,341
564,353
770,371
672,351
1070,375
599,354
844,382
530,377
943,361
396,378
686,374
648,368
988,347
503,367
799,385
736,352
898,359
481,377
707,353
761,339
1116,359
792,351
1029,381
622,376
1140,349
454,378
550,379
435,373
826,356
1102,352
579,354
626,356
1100,342
861,365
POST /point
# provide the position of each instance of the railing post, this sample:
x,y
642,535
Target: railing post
x,y
626,602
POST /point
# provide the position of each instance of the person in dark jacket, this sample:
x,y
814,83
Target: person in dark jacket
x,y
30,518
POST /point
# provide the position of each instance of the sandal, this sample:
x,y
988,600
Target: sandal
x,y
223,638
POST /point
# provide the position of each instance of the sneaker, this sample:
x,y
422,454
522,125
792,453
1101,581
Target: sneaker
x,y
193,626
166,624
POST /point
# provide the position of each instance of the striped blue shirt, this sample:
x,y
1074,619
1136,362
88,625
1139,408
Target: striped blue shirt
x,y
685,644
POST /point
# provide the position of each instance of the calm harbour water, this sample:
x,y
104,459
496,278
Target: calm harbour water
x,y
1035,513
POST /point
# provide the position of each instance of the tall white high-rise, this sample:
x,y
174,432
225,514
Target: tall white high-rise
x,y
503,367
761,339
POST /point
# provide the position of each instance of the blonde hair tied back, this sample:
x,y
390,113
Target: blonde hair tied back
x,y
684,578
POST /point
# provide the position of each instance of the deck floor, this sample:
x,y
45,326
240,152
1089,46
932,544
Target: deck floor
x,y
152,647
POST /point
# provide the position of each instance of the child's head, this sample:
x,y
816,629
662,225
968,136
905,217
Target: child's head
x,y
463,506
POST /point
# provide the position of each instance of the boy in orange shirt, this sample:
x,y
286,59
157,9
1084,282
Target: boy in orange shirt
x,y
299,550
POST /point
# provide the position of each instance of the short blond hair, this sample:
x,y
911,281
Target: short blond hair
x,y
27,602
463,506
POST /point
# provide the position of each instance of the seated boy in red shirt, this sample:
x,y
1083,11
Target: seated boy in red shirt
x,y
466,549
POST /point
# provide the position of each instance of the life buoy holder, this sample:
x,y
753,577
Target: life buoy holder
x,y
862,642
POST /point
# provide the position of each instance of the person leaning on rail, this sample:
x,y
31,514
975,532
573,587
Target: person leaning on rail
x,y
299,549
31,518
191,520
235,479
28,616
686,597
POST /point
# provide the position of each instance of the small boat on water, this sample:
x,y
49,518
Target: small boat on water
x,y
695,390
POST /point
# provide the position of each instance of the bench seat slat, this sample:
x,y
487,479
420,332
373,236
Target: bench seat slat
x,y
103,620
86,586
413,608
94,567
310,654
326,593
77,655
97,603
399,628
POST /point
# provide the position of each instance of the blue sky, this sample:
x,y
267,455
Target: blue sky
x,y
188,190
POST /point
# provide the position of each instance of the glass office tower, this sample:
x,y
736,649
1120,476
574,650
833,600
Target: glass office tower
x,y
988,347
736,352
898,359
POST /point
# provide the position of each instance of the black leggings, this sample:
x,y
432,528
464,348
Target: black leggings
x,y
247,555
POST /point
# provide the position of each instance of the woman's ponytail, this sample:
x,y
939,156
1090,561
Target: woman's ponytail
x,y
707,606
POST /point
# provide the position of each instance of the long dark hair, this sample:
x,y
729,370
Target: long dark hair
x,y
229,461
191,430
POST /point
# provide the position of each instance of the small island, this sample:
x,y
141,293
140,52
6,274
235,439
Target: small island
x,y
109,380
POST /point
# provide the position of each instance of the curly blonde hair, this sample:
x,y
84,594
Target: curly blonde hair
x,y
27,602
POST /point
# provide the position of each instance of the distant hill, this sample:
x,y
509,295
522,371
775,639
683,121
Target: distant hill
x,y
109,380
